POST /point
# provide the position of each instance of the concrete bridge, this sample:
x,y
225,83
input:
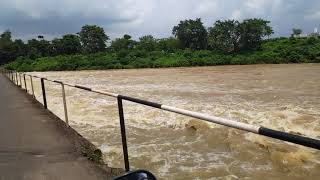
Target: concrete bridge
x,y
34,145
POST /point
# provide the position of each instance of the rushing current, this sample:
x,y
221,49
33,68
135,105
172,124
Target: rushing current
x,y
282,97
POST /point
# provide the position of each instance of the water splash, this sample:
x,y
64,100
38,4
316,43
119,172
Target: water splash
x,y
283,97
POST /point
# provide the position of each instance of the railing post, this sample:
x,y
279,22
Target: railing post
x,y
123,135
20,80
13,78
31,81
44,94
17,79
65,104
25,82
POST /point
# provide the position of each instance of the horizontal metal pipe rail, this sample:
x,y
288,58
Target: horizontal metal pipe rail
x,y
293,138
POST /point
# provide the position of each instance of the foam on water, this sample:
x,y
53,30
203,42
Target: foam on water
x,y
282,97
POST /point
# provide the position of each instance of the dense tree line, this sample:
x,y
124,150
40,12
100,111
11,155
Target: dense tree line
x,y
91,39
272,51
224,36
192,44
234,36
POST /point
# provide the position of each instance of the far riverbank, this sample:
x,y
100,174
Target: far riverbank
x,y
274,51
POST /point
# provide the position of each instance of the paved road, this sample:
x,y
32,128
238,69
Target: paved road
x,y
31,144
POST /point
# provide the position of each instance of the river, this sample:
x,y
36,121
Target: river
x,y
282,97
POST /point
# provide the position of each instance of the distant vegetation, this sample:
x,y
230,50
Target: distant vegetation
x,y
225,42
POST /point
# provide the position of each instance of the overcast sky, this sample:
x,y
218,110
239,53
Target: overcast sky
x,y
52,18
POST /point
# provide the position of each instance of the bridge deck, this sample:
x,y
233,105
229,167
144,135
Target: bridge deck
x,y
32,146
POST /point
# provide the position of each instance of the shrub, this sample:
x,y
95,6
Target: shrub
x,y
278,50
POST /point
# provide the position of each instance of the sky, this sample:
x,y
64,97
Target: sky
x,y
53,18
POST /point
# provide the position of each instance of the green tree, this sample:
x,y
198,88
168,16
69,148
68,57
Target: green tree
x,y
6,35
191,33
123,43
148,43
169,44
56,47
252,32
39,48
296,32
224,36
7,48
68,44
71,44
21,48
93,38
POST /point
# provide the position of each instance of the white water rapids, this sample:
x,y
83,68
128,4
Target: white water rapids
x,y
282,97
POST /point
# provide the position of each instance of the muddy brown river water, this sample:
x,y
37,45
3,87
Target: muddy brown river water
x,y
282,97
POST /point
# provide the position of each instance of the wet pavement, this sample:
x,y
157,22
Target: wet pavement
x,y
32,146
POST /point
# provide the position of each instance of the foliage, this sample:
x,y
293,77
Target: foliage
x,y
148,43
296,32
252,32
123,43
39,48
227,42
7,48
68,44
224,36
273,51
169,44
21,48
191,34
232,36
93,38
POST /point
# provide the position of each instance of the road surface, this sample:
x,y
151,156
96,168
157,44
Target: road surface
x,y
32,146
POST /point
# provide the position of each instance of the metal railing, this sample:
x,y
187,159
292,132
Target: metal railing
x,y
293,138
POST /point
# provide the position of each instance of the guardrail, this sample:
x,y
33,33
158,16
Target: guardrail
x,y
15,77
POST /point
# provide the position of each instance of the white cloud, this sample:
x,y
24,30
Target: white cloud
x,y
140,17
236,14
206,8
313,16
264,7
257,5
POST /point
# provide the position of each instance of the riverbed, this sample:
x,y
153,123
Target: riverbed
x,y
283,97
